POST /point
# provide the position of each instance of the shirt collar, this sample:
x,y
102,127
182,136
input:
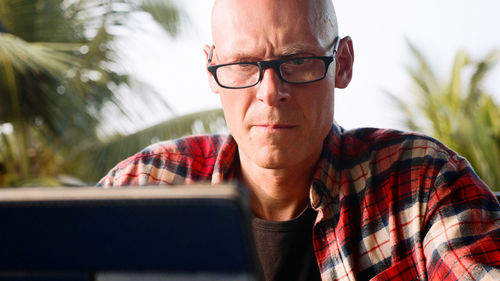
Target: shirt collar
x,y
326,180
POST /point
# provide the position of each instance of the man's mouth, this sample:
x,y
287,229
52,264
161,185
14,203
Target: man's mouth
x,y
275,127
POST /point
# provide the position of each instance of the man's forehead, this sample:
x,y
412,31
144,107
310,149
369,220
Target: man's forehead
x,y
238,51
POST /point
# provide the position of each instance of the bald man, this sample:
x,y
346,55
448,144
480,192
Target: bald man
x,y
329,204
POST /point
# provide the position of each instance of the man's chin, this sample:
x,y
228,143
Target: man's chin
x,y
271,153
272,160
272,165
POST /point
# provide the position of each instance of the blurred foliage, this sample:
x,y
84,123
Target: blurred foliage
x,y
107,155
58,69
458,111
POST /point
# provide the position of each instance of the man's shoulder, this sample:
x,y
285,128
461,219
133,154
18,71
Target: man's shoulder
x,y
176,161
376,135
382,162
199,146
386,149
377,141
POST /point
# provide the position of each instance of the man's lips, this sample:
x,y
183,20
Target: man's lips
x,y
275,126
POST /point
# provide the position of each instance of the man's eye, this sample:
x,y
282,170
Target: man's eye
x,y
298,61
246,67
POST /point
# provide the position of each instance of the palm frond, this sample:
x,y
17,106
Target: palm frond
x,y
59,69
410,120
454,92
117,148
482,69
36,57
460,113
163,12
427,78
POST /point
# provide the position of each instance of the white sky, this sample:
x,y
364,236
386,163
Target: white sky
x,y
176,67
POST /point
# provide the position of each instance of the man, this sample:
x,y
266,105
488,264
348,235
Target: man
x,y
382,205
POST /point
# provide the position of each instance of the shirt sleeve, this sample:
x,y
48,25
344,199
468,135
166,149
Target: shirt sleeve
x,y
152,166
182,161
462,226
136,170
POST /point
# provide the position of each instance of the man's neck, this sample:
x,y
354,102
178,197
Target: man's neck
x,y
277,194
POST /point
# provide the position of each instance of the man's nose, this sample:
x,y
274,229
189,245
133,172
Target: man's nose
x,y
271,89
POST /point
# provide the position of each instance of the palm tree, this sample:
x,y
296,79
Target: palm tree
x,y
458,112
58,69
116,148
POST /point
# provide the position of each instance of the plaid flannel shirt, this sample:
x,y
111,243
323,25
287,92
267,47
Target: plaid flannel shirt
x,y
391,205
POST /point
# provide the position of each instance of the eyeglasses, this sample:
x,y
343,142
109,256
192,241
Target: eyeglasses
x,y
300,70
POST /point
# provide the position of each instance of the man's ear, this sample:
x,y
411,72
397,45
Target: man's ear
x,y
344,63
211,80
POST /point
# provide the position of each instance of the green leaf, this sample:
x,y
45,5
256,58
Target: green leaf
x,y
59,69
103,157
163,12
458,111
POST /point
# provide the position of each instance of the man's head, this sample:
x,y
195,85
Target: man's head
x,y
279,125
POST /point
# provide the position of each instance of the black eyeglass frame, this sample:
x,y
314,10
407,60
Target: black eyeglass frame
x,y
274,64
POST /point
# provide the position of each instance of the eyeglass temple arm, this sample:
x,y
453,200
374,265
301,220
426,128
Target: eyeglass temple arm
x,y
210,54
335,48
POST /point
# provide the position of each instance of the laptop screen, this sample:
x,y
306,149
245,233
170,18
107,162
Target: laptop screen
x,y
147,233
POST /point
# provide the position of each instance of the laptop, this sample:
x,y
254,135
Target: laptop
x,y
196,232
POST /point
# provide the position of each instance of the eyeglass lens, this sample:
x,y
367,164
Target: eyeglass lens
x,y
302,70
238,75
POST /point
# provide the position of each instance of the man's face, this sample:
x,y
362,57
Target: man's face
x,y
276,125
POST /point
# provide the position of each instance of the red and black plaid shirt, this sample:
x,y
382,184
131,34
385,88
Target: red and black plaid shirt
x,y
391,205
